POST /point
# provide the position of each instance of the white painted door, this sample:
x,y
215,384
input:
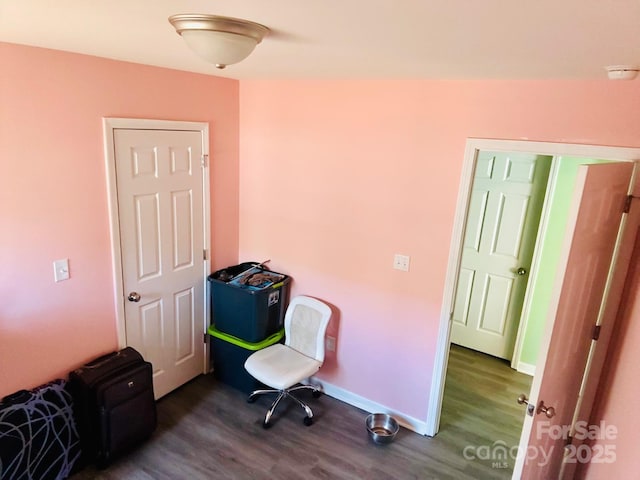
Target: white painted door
x,y
160,202
596,215
502,221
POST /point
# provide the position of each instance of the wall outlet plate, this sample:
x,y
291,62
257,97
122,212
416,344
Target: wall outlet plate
x,y
401,262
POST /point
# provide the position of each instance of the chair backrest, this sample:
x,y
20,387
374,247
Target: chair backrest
x,y
305,324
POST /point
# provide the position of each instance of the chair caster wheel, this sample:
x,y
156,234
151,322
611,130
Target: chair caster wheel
x,y
308,421
266,425
316,393
251,399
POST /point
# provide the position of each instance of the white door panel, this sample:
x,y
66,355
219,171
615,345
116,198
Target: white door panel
x,y
507,237
493,317
503,214
463,299
160,202
477,209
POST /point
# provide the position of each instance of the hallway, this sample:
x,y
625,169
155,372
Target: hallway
x,y
480,407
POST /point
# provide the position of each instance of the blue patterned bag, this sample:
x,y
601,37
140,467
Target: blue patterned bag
x,y
38,435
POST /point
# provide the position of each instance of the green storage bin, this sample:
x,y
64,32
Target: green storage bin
x,y
228,354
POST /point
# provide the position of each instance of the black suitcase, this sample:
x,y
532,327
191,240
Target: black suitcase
x,y
114,404
38,436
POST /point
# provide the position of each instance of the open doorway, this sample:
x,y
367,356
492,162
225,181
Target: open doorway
x,y
505,205
528,325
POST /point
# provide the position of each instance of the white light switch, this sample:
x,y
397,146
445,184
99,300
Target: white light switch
x,y
401,262
61,270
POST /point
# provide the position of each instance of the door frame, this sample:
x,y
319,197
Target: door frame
x,y
473,146
109,125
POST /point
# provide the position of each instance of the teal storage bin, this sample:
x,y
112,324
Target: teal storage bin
x,y
250,313
228,354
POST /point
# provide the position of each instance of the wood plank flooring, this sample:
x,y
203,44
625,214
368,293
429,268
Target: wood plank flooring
x,y
207,430
480,407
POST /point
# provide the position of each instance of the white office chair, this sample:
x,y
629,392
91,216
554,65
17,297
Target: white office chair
x,y
283,366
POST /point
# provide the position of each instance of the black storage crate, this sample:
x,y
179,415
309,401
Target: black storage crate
x,y
250,313
229,354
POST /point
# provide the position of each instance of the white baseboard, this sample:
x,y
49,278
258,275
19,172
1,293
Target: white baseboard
x,y
370,406
526,368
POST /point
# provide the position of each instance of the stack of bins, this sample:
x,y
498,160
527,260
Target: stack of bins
x,y
245,318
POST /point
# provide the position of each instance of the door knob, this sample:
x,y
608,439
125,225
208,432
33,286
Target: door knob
x,y
521,271
523,400
134,297
550,412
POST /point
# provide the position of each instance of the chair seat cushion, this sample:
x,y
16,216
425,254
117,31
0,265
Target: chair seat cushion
x,y
280,367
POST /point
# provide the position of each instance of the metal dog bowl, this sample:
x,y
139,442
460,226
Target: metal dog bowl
x,y
382,427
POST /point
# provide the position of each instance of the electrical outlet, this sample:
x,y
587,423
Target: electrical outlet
x,y
331,344
401,262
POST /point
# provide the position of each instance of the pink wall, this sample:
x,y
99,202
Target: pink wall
x,y
334,178
337,176
53,196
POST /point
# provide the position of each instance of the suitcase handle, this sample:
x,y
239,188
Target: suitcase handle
x,y
100,360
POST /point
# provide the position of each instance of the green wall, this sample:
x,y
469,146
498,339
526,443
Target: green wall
x,y
544,282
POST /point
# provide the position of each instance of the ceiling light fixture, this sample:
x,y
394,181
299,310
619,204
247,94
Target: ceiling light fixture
x,y
622,72
219,40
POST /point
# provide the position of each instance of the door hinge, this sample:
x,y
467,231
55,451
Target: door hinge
x,y
627,203
204,160
204,337
204,254
596,332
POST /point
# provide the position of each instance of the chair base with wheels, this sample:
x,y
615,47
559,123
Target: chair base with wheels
x,y
282,367
308,420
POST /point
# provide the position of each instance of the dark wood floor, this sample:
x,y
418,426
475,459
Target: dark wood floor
x,y
207,431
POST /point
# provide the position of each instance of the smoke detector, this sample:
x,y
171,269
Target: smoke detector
x,y
622,72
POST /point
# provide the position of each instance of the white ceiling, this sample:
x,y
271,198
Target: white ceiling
x,y
351,38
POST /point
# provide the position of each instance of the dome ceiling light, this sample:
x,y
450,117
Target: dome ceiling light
x,y
219,40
